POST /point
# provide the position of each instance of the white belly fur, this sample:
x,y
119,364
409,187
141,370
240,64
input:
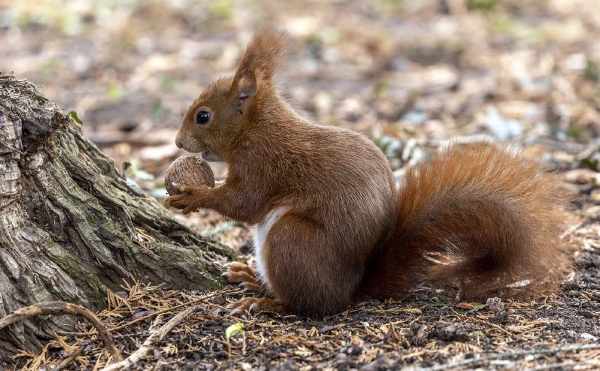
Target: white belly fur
x,y
262,231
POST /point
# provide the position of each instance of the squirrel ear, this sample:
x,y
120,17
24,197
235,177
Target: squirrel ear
x,y
246,85
263,55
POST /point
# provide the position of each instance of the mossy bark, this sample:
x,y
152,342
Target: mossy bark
x,y
71,227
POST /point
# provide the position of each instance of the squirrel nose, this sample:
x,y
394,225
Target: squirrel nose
x,y
178,143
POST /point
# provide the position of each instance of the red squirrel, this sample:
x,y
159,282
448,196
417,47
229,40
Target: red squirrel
x,y
332,227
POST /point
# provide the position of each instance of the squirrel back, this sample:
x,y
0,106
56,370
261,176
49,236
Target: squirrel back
x,y
331,226
478,216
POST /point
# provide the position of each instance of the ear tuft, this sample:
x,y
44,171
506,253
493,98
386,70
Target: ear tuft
x,y
263,55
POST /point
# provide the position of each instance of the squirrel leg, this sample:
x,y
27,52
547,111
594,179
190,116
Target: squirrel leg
x,y
245,275
255,304
304,269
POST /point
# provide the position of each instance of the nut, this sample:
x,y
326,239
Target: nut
x,y
190,171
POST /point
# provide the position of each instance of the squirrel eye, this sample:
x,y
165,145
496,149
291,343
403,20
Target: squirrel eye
x,y
202,117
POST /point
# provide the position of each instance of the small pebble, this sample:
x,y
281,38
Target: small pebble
x,y
574,293
370,367
140,314
587,336
340,357
587,314
327,329
494,304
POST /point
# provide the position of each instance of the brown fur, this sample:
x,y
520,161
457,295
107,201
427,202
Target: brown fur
x,y
488,217
480,217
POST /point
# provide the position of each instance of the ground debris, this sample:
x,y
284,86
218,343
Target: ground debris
x,y
374,336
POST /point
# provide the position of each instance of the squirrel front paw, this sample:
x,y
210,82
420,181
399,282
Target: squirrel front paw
x,y
244,275
185,200
255,304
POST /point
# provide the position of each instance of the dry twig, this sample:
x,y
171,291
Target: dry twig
x,y
65,362
170,309
58,308
154,338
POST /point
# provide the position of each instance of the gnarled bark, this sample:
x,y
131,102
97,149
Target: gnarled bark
x,y
71,227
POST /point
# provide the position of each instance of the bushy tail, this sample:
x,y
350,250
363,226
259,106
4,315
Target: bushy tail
x,y
480,217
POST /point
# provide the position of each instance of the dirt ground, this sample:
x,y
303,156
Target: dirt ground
x,y
410,74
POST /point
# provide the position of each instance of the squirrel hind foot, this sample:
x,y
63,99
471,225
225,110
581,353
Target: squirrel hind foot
x,y
255,305
245,276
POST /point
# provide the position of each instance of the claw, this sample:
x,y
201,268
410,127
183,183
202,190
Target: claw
x,y
172,198
255,304
179,187
244,275
253,286
237,267
236,311
185,199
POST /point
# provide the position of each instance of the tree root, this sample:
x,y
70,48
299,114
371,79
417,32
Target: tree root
x,y
58,308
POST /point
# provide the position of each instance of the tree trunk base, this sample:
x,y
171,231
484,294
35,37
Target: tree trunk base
x,y
72,228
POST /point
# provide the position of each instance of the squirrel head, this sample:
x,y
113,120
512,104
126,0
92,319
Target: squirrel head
x,y
227,106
